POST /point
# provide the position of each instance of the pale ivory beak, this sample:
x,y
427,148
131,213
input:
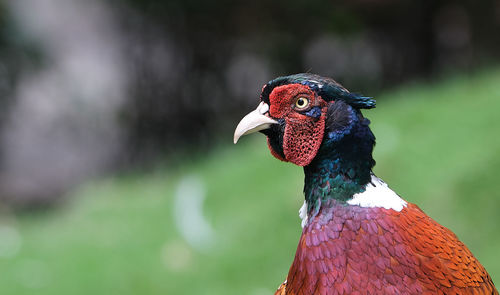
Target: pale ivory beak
x,y
254,121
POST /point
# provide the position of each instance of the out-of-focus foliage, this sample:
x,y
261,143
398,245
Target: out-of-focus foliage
x,y
90,86
126,235
66,86
225,50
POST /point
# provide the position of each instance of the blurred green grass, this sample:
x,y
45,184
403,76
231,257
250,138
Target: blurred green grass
x,y
438,146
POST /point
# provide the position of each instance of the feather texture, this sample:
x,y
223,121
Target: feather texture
x,y
358,236
357,250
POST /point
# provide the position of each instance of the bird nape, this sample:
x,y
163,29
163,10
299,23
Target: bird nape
x,y
358,236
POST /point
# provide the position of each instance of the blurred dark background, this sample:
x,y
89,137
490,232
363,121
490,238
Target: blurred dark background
x,y
89,87
117,169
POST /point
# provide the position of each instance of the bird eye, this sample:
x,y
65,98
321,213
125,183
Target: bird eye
x,y
302,103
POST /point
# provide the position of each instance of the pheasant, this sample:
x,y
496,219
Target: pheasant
x,y
358,235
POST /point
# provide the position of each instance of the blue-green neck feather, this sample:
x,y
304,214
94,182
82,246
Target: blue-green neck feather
x,y
342,166
344,161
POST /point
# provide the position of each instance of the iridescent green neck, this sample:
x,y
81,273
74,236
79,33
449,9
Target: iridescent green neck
x,y
342,166
334,178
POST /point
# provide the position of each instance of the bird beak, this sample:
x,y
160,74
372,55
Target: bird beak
x,y
254,121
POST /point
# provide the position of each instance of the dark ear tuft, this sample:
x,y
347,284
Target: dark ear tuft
x,y
331,90
327,88
359,101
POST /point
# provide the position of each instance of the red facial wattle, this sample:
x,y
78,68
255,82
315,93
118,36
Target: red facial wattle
x,y
303,134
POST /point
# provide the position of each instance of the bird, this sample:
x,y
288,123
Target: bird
x,y
358,235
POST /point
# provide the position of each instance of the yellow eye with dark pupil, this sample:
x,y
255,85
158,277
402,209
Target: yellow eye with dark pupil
x,y
302,103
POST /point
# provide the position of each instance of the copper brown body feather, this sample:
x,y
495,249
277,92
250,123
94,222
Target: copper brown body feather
x,y
358,250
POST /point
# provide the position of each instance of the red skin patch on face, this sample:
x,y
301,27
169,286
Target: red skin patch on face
x,y
303,134
283,98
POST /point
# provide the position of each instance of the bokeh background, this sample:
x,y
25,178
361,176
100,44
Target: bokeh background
x,y
117,172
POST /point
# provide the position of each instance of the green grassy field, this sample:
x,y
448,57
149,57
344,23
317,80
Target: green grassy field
x,y
438,146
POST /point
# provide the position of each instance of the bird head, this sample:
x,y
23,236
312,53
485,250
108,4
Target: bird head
x,y
304,113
